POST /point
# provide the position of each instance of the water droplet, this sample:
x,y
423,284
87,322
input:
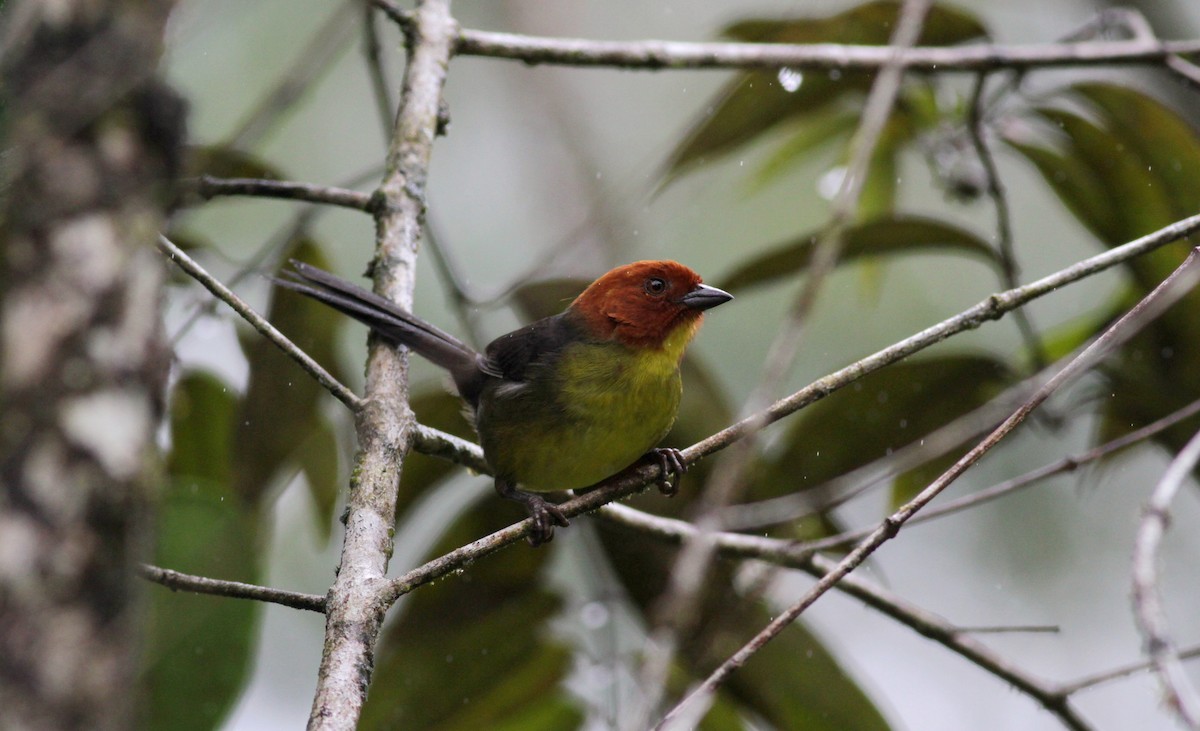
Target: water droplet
x,y
829,183
790,79
594,615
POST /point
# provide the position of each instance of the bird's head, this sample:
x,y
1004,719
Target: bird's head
x,y
647,304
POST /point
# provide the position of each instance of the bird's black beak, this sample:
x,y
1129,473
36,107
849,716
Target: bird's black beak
x,y
704,297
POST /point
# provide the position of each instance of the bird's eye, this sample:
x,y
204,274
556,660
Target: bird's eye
x,y
655,286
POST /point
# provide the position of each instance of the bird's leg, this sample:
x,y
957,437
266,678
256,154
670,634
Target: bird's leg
x,y
545,514
670,461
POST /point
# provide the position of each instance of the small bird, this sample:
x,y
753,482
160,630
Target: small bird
x,y
568,400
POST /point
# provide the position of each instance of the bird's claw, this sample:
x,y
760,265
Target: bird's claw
x,y
545,516
670,461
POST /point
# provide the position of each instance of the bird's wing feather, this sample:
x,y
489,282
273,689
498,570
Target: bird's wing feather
x,y
510,357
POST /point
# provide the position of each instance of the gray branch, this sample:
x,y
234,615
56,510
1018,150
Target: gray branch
x,y
385,425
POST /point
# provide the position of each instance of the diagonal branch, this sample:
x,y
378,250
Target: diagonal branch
x,y
1171,289
992,308
920,620
1181,695
212,284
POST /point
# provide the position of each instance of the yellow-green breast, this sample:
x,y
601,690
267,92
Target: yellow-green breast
x,y
600,407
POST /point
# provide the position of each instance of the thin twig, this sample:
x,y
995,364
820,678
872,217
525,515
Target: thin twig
x,y
402,18
209,187
212,284
381,86
1178,283
1067,464
656,55
805,501
1185,70
1091,681
927,624
991,308
178,581
1182,697
426,439
1004,234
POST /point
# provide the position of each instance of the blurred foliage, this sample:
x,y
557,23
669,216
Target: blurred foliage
x,y
878,237
475,650
197,657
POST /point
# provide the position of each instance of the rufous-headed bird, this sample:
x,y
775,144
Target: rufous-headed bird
x,y
570,399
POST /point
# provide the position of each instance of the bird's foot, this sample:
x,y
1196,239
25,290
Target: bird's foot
x,y
670,461
544,514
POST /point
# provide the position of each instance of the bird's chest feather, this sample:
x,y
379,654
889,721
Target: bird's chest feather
x,y
594,413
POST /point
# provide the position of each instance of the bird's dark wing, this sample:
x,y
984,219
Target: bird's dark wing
x,y
511,356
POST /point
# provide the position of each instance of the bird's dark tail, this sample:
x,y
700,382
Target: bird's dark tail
x,y
387,319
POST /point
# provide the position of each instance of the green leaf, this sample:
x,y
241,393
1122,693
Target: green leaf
x,y
812,132
198,648
282,407
472,651
547,297
1123,172
757,101
319,457
881,412
226,162
1125,169
1163,140
793,683
889,235
202,413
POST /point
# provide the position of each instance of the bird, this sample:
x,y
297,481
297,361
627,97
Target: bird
x,y
568,400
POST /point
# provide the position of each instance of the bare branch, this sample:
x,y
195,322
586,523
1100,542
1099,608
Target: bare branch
x,y
656,55
1182,698
436,443
1117,673
209,187
385,426
992,308
1171,289
927,624
1004,234
1067,464
178,581
212,284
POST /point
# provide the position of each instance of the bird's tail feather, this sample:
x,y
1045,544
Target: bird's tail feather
x,y
382,316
